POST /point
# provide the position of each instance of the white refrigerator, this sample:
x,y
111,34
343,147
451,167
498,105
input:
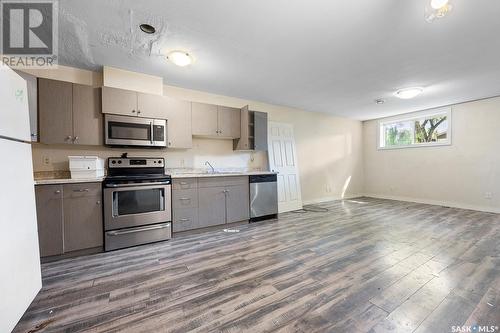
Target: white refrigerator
x,y
20,276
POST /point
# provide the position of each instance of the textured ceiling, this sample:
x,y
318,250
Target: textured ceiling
x,y
317,55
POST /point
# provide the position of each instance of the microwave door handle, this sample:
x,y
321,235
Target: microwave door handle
x,y
151,128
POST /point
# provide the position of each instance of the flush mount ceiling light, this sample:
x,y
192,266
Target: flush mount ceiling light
x,y
408,93
436,4
180,58
436,9
379,101
147,28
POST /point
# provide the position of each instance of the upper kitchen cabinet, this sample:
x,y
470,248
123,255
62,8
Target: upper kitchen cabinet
x,y
229,122
215,121
131,103
87,116
119,101
69,113
204,119
253,131
178,114
151,106
55,111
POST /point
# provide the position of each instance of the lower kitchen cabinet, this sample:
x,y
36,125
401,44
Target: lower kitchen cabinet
x,y
185,219
205,202
82,216
237,203
69,217
212,206
49,210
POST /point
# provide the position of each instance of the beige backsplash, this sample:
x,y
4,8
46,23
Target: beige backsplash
x,y
218,152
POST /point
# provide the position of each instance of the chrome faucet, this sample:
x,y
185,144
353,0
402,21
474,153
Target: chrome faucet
x,y
208,163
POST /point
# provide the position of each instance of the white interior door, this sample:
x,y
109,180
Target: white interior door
x,y
283,159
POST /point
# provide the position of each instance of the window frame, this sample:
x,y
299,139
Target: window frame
x,y
414,116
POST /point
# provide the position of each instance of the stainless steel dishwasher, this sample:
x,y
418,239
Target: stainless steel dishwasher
x,y
263,197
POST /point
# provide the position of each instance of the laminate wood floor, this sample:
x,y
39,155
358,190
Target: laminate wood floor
x,y
366,265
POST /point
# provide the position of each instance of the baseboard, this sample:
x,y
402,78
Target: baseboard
x,y
332,198
436,202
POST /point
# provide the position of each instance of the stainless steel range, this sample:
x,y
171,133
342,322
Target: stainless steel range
x,y
137,202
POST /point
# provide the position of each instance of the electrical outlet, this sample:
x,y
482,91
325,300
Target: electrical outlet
x,y
488,195
46,160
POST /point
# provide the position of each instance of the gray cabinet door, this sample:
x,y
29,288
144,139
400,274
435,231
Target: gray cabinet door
x,y
49,211
83,227
55,99
151,106
229,122
260,130
211,206
243,143
237,203
119,101
204,119
87,116
178,114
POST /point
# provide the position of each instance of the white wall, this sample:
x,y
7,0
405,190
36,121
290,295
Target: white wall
x,y
329,148
458,175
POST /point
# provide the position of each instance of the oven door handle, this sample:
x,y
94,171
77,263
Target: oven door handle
x,y
134,230
138,184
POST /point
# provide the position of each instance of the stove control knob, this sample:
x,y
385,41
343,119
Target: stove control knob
x,y
119,162
159,161
113,162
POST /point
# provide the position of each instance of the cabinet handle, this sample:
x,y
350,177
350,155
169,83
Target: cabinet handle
x,y
133,111
98,202
183,183
169,143
57,192
69,137
184,198
75,139
138,111
80,190
183,220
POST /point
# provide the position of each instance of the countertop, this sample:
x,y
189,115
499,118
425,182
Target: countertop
x,y
54,181
175,175
219,174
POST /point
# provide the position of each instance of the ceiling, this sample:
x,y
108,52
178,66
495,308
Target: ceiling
x,y
316,55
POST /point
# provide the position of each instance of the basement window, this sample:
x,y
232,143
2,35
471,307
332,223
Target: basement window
x,y
420,129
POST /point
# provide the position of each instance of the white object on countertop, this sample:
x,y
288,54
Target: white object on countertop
x,y
20,276
86,167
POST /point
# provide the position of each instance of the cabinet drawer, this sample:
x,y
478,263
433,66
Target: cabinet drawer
x,y
222,181
185,219
185,198
184,183
82,190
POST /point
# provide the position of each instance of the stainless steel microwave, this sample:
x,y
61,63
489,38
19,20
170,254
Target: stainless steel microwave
x,y
135,131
